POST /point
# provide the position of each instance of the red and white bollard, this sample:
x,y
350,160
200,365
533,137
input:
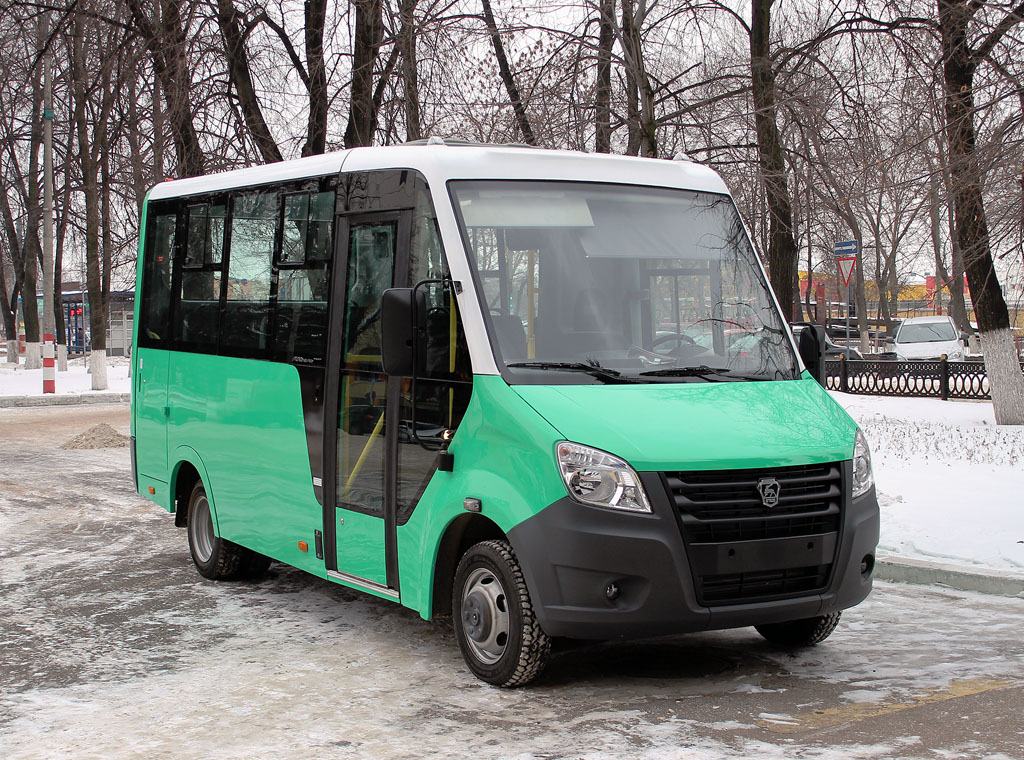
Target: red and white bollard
x,y
49,365
21,340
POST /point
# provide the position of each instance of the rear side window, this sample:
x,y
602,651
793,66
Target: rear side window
x,y
156,279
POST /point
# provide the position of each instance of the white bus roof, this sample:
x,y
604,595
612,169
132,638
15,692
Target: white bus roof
x,y
442,162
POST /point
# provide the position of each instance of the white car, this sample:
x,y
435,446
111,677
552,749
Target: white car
x,y
928,338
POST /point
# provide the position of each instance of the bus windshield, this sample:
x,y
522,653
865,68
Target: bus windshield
x,y
610,283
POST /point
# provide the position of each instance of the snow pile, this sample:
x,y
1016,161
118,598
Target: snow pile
x,y
100,436
15,380
949,481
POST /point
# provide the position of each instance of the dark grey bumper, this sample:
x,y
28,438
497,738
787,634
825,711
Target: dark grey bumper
x,y
571,554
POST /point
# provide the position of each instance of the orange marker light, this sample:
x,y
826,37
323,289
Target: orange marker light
x,y
151,489
303,546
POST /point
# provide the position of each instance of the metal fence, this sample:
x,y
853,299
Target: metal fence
x,y
935,379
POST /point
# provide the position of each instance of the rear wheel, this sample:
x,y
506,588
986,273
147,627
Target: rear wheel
x,y
495,625
800,633
214,557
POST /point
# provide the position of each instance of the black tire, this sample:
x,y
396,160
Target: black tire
x,y
497,630
800,633
215,558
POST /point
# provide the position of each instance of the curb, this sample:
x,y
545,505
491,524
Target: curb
x,y
65,400
959,577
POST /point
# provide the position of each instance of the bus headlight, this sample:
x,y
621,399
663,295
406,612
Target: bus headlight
x,y
599,479
863,479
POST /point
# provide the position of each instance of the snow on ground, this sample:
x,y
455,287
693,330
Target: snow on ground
x,y
15,380
950,482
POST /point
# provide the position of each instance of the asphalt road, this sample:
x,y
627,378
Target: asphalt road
x,y
112,646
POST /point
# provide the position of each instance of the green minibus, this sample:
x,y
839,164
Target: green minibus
x,y
549,394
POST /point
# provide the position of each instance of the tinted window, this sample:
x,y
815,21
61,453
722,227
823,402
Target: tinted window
x,y
303,283
245,325
156,278
201,275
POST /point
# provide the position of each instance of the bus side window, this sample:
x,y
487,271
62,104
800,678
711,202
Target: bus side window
x,y
199,302
304,277
245,323
156,278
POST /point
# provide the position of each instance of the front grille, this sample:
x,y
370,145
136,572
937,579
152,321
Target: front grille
x,y
742,550
718,494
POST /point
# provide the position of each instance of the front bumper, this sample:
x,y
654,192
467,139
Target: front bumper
x,y
571,554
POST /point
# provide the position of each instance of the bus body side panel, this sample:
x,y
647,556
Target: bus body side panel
x,y
244,419
505,456
135,338
149,403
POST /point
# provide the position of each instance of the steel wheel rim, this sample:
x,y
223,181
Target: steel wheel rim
x,y
201,526
485,618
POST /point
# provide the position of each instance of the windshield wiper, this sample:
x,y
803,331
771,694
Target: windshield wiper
x,y
601,373
703,371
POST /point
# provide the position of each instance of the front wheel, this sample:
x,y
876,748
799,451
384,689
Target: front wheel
x,y
800,633
495,625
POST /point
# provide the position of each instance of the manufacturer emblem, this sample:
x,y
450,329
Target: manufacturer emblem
x,y
769,490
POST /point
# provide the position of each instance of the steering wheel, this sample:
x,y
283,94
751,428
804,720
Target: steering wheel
x,y
680,339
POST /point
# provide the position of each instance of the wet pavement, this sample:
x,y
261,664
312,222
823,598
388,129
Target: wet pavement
x,y
112,646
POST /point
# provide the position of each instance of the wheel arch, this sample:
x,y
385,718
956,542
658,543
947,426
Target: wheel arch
x,y
461,533
188,469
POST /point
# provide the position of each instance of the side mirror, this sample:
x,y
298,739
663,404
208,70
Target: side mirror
x,y
811,343
403,331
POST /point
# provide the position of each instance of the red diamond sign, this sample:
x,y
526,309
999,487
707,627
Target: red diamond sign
x,y
846,265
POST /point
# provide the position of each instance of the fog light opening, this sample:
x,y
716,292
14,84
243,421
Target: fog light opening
x,y
867,564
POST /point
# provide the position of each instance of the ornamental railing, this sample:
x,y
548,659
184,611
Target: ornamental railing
x,y
934,379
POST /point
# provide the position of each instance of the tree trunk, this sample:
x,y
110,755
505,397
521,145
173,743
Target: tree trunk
x,y
58,268
957,305
241,77
90,188
642,126
10,323
959,64
603,85
407,40
782,253
316,125
167,46
9,298
32,249
158,133
362,121
522,119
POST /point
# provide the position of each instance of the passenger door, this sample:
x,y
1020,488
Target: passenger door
x,y
360,447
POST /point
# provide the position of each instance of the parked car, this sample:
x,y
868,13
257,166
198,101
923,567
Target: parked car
x,y
928,339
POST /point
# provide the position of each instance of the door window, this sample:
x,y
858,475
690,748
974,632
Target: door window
x,y
363,387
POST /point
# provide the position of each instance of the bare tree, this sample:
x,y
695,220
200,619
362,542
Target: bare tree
x,y
964,48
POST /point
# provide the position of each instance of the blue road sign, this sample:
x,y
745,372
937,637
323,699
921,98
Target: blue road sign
x,y
846,248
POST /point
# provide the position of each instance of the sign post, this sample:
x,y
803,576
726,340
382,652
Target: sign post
x,y
846,259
